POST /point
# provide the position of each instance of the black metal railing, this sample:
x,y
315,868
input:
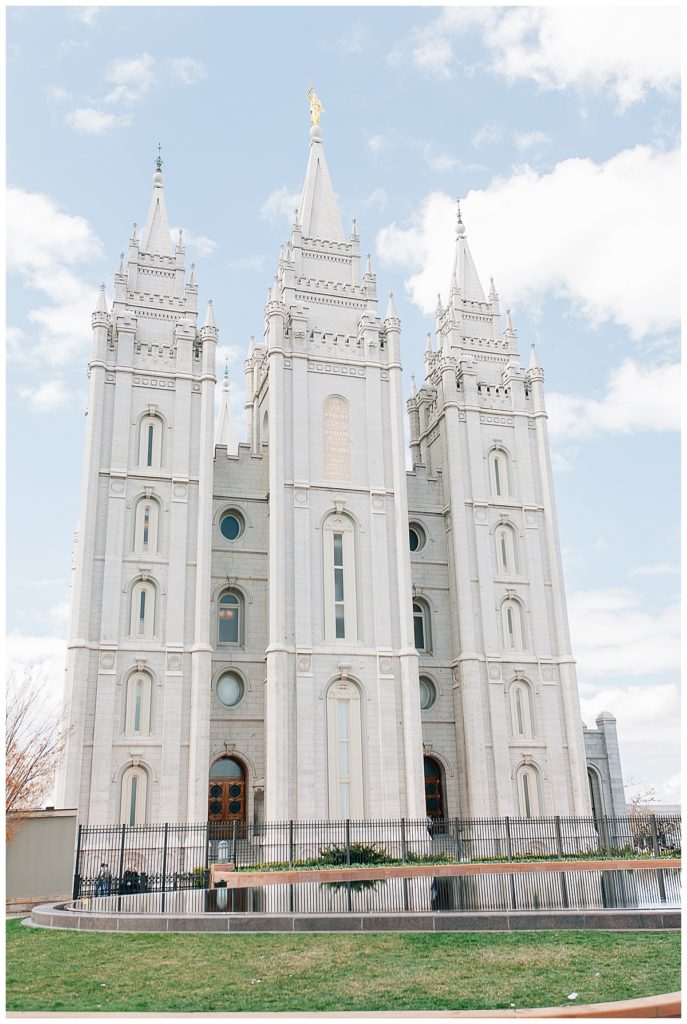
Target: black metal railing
x,y
168,857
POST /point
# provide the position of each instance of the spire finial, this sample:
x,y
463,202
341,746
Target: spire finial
x,y
226,373
158,162
181,238
316,107
460,227
428,346
354,229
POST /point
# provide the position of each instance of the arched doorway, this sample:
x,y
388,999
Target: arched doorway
x,y
227,791
434,795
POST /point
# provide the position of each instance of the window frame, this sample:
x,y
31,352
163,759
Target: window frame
x,y
150,447
134,796
135,680
340,525
232,592
424,615
149,609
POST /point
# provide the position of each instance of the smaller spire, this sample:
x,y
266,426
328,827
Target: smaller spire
x,y
274,294
428,346
209,316
534,362
192,278
439,309
413,389
493,294
251,345
391,313
180,243
368,269
133,233
101,305
509,323
354,229
121,263
225,384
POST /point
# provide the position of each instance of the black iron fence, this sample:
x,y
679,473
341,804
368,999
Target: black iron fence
x,y
123,859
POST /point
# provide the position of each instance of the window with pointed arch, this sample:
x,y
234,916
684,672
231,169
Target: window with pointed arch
x,y
339,562
150,442
143,600
139,693
230,618
522,719
422,626
513,627
499,473
506,551
344,751
529,797
134,796
146,522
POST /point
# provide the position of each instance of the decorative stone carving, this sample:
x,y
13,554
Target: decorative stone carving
x,y
304,662
337,440
386,666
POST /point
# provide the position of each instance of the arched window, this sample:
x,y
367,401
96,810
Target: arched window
x,y
150,443
142,622
529,801
230,618
138,699
340,602
146,526
134,796
521,709
265,429
344,742
595,792
513,631
422,626
506,558
499,474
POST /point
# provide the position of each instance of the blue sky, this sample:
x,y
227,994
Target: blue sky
x,y
560,131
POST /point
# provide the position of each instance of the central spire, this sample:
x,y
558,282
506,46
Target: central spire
x,y
155,237
465,276
318,213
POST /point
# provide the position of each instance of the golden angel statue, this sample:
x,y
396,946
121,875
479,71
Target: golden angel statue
x,y
316,107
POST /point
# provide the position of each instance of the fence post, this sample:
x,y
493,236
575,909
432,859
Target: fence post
x,y
121,868
76,887
404,846
207,854
459,845
291,843
509,853
657,854
559,845
234,841
348,842
164,867
603,821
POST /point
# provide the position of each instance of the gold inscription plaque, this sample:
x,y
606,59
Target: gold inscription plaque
x,y
337,440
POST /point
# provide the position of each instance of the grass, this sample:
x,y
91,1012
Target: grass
x,y
72,972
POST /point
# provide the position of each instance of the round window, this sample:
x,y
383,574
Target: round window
x,y
229,689
427,693
231,525
416,537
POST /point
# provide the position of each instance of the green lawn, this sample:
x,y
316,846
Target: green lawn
x,y
71,971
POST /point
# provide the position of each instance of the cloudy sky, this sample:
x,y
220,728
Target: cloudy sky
x,y
559,130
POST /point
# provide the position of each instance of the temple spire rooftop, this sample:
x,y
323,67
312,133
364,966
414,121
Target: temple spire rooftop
x,y
318,214
155,237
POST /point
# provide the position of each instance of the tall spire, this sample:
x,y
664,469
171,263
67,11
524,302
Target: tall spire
x,y
318,213
155,237
226,432
465,276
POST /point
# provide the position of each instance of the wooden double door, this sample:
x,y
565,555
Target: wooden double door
x,y
227,792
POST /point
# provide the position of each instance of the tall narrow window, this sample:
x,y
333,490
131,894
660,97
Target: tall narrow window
x,y
528,792
513,633
230,618
505,550
134,796
421,626
340,607
143,610
499,473
521,710
137,712
344,751
146,526
150,443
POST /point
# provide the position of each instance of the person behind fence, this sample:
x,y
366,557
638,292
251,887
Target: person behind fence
x,y
103,880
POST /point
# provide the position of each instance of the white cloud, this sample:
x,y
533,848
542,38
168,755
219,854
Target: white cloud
x,y
559,463
378,198
636,398
47,397
187,69
438,161
43,247
132,78
58,94
614,633
280,203
247,263
378,143
488,133
355,41
528,140
604,236
89,121
201,244
46,654
658,569
624,52
86,15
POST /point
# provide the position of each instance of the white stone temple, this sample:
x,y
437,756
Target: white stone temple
x,y
296,626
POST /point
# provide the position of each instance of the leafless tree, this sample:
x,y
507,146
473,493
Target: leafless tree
x,y
34,740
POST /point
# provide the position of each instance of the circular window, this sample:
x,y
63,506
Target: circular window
x,y
416,537
427,693
231,525
215,791
234,807
229,689
215,807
